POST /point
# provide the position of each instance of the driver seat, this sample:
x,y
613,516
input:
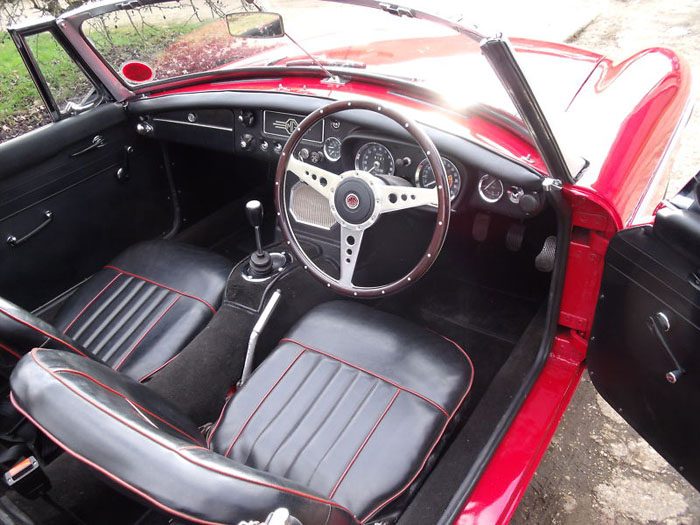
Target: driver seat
x,y
337,424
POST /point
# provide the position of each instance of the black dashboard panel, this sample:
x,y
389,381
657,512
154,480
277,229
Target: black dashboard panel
x,y
258,124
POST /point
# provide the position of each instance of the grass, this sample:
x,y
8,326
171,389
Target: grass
x,y
17,91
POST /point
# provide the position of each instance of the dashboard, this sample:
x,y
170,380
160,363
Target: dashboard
x,y
258,125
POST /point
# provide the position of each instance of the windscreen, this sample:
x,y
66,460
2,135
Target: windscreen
x,y
182,38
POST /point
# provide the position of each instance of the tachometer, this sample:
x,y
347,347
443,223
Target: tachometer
x,y
425,178
331,149
375,158
490,188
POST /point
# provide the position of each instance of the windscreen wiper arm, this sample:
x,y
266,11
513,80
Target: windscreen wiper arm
x,y
339,62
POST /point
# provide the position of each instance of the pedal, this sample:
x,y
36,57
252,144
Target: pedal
x,y
28,478
515,236
544,261
480,227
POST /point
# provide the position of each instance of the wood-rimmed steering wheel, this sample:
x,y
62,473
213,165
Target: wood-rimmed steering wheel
x,y
357,199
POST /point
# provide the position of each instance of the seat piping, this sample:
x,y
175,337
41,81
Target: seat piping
x,y
162,286
393,383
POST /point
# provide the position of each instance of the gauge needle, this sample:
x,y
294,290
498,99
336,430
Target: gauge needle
x,y
489,184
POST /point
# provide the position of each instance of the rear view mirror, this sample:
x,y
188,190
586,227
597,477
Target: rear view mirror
x,y
255,25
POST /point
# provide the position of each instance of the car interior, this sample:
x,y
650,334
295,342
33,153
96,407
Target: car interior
x,y
146,238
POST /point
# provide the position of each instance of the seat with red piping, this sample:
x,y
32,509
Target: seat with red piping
x,y
135,314
337,424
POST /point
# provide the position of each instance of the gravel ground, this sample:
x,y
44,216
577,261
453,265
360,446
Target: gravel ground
x,y
597,469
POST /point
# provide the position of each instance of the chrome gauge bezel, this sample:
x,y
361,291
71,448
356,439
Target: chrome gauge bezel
x,y
490,200
445,161
366,146
325,150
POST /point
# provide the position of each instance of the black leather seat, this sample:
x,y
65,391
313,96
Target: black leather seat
x,y
337,424
134,315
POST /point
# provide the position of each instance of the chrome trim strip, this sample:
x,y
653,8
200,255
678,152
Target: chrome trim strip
x,y
196,124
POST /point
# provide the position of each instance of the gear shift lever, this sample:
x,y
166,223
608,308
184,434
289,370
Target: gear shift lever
x,y
260,260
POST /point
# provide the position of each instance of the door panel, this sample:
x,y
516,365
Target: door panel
x,y
94,213
644,353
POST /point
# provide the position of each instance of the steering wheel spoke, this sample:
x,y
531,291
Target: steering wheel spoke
x,y
396,198
356,199
321,180
350,242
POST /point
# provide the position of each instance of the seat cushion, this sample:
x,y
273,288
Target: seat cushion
x,y
351,404
139,311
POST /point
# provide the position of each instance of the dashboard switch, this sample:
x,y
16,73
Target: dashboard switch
x,y
247,118
304,154
264,145
246,142
277,148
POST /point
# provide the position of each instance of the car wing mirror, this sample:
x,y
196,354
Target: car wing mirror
x,y
255,25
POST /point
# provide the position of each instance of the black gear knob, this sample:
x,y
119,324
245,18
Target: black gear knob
x,y
254,212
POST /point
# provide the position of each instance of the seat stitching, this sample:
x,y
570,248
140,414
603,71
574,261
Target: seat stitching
x,y
325,420
179,452
408,390
442,432
163,286
347,425
364,443
81,312
25,323
289,400
306,413
148,331
245,423
127,316
104,306
10,351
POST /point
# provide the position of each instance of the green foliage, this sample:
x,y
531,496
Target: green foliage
x,y
17,91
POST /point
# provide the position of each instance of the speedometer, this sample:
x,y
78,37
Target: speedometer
x,y
374,158
425,178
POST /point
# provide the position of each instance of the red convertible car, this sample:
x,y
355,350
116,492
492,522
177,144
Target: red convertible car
x,y
332,262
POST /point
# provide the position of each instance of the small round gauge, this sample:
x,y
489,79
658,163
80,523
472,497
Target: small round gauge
x,y
374,158
425,178
331,149
490,188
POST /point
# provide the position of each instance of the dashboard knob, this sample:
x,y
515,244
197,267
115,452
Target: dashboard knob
x,y
316,157
406,161
246,142
277,148
144,128
247,118
304,153
529,203
264,145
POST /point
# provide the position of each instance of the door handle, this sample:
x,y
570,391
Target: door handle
x,y
14,241
98,141
658,323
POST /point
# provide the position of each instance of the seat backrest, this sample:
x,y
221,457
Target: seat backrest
x,y
20,331
138,440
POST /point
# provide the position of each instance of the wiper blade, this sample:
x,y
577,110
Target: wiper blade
x,y
327,63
